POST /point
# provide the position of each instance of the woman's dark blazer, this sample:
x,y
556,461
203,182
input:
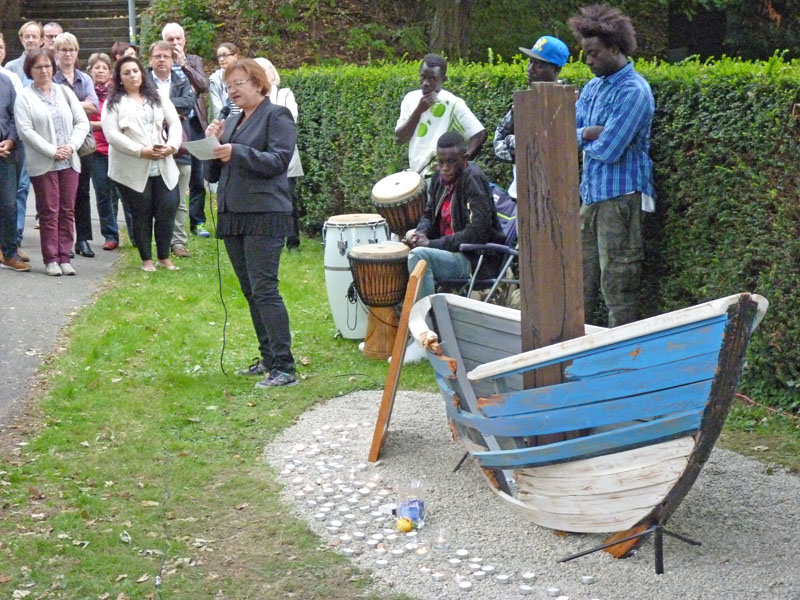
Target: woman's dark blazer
x,y
254,180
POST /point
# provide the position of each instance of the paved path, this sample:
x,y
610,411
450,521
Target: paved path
x,y
35,308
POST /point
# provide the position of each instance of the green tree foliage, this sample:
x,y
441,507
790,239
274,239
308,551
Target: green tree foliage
x,y
724,144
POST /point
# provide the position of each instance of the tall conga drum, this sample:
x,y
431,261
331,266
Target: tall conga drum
x,y
380,274
340,234
400,199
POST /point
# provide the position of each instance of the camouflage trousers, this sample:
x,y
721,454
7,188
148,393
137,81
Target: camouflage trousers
x,y
611,238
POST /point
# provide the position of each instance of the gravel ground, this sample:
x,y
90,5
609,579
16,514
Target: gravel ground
x,y
745,514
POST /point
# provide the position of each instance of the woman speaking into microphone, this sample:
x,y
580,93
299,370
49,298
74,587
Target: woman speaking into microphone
x,y
255,210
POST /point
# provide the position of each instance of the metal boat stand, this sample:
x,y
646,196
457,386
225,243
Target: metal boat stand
x,y
658,531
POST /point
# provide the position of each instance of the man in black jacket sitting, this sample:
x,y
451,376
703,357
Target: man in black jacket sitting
x,y
459,210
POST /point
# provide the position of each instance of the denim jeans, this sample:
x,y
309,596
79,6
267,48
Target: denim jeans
x,y
179,235
23,186
106,197
255,260
442,264
8,207
153,212
197,185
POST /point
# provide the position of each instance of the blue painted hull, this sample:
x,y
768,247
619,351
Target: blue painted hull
x,y
639,391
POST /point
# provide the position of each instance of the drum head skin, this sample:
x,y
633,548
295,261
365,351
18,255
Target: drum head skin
x,y
397,187
380,251
354,219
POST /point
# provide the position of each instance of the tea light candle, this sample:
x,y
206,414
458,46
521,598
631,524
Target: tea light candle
x,y
358,535
311,503
553,592
391,538
525,590
380,551
302,469
381,563
465,585
336,523
425,570
348,552
454,561
397,552
476,559
377,536
371,484
587,579
488,568
376,514
410,547
345,537
372,544
364,491
479,575
383,493
297,481
501,577
361,523
320,516
474,567
411,534
440,542
437,576
528,576
349,517
422,551
462,553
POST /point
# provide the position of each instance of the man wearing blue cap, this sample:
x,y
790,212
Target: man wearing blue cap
x,y
614,114
547,56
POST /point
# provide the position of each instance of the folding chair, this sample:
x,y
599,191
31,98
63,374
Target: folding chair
x,y
506,209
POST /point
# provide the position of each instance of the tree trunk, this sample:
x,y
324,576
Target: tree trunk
x,y
449,33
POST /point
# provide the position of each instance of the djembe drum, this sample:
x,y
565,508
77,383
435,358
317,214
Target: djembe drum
x,y
400,199
380,276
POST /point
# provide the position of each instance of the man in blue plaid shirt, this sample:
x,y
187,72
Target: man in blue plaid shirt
x,y
614,113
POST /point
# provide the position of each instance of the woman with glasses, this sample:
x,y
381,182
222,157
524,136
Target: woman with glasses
x,y
68,74
52,123
227,54
143,132
255,210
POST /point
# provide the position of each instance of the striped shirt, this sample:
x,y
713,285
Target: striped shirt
x,y
616,163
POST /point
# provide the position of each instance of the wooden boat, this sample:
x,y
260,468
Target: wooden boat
x,y
643,405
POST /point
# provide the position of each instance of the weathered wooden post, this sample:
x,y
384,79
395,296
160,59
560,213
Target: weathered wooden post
x,y
548,221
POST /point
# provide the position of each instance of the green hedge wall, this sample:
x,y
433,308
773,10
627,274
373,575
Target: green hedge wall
x,y
725,145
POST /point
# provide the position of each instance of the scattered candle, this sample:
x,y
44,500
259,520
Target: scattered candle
x,y
528,576
501,577
397,552
465,585
587,579
320,516
488,568
462,553
425,570
479,575
422,551
474,567
454,561
380,551
345,537
437,576
381,563
525,590
440,542
553,592
476,559
358,535
377,536
348,552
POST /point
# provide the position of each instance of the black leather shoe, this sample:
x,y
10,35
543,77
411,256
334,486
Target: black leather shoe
x,y
84,249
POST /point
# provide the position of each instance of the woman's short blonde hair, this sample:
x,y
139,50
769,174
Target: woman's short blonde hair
x,y
254,71
99,57
270,70
65,38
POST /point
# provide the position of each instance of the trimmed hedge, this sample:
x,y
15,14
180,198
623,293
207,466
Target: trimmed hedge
x,y
726,149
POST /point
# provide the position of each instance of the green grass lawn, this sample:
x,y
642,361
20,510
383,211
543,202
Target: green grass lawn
x,y
147,461
142,475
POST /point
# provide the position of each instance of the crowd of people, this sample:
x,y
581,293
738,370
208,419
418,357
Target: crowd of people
x,y
141,118
48,102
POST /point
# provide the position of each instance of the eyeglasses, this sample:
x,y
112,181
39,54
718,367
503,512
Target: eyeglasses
x,y
161,56
237,84
68,50
42,67
221,56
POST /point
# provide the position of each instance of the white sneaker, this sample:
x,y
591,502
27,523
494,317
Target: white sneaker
x,y
53,269
361,346
67,269
414,353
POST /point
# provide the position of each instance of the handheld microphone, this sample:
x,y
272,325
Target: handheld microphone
x,y
224,112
